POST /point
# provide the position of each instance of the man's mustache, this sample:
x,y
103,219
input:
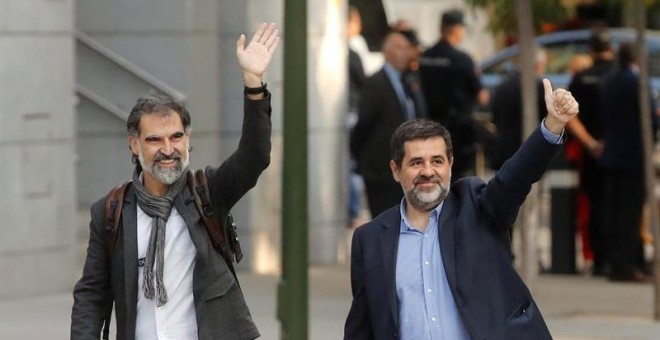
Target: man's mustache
x,y
426,179
175,155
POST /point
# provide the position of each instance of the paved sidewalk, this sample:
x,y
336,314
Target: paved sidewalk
x,y
575,307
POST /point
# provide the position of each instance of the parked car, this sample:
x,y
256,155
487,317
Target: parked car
x,y
561,47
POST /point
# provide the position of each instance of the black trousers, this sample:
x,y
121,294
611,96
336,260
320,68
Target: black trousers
x,y
382,196
624,199
592,184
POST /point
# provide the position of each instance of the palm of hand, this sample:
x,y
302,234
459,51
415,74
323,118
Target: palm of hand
x,y
254,59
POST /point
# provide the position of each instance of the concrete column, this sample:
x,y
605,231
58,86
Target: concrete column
x,y
259,213
37,205
328,137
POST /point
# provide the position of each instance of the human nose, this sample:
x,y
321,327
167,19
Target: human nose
x,y
167,148
427,170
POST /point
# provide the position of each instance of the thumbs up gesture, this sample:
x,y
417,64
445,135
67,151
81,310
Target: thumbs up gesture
x,y
561,105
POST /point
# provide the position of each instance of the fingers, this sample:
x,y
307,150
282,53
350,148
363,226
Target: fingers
x,y
240,43
565,103
259,33
548,88
264,33
575,108
271,43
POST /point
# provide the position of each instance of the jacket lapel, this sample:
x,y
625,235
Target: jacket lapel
x,y
447,241
389,244
129,220
185,205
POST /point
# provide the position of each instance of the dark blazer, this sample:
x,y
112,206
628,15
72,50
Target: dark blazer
x,y
381,112
219,304
491,298
621,115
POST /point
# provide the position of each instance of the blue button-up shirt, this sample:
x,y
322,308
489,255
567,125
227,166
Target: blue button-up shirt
x,y
427,310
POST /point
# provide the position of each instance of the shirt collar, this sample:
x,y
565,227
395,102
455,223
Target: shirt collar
x,y
405,224
390,70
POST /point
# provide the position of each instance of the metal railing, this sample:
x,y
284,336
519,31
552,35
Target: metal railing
x,y
129,67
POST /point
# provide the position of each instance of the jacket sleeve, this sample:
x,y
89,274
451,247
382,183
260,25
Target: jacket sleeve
x,y
92,294
358,322
239,173
508,189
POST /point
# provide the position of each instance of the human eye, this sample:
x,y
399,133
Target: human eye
x,y
152,139
177,136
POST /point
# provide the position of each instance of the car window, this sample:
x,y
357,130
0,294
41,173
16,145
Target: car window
x,y
654,62
560,54
558,58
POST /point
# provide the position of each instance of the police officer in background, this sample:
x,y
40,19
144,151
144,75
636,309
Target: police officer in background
x,y
588,130
451,86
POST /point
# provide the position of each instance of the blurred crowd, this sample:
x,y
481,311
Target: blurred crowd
x,y
442,82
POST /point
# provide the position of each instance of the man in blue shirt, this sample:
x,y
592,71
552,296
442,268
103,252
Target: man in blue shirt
x,y
438,265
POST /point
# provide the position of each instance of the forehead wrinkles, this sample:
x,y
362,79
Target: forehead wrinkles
x,y
158,120
422,148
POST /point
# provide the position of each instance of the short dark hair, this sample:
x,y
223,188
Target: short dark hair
x,y
626,55
417,129
155,103
451,18
599,41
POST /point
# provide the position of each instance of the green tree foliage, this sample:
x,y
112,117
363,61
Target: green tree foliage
x,y
503,14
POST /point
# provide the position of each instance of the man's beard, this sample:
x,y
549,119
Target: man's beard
x,y
427,200
165,175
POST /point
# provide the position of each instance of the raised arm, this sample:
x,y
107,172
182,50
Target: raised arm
x,y
239,173
506,192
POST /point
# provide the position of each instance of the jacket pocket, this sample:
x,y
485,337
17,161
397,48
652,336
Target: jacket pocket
x,y
523,311
219,287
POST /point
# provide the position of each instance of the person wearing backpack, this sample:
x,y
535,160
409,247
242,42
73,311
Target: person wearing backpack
x,y
161,247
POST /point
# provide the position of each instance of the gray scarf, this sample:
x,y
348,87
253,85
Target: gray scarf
x,y
158,208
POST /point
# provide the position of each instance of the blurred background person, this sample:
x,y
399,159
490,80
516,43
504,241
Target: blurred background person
x,y
356,77
623,165
451,86
371,61
506,105
588,130
385,103
411,76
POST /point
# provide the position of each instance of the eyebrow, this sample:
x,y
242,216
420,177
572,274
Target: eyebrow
x,y
436,157
153,138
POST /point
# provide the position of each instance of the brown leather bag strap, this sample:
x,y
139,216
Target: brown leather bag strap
x,y
114,203
199,186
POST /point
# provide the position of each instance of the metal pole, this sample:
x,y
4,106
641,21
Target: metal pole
x,y
528,221
293,287
647,135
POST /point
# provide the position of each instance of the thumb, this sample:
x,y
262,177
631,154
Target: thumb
x,y
240,43
548,88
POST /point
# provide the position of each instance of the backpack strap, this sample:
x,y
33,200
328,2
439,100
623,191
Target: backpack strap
x,y
199,186
114,203
218,232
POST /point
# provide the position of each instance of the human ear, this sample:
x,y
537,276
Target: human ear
x,y
395,170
